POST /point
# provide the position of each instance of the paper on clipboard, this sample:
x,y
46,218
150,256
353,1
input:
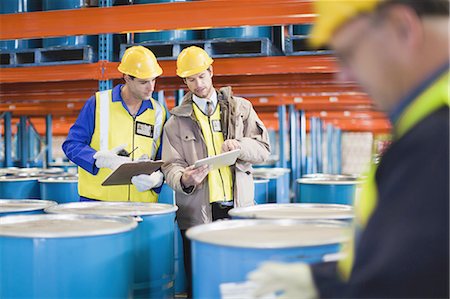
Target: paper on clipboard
x,y
122,175
221,160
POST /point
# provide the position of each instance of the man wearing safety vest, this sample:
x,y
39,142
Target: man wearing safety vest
x,y
398,51
207,123
117,126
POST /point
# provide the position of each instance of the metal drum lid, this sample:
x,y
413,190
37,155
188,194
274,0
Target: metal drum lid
x,y
21,177
63,226
268,173
328,179
8,171
300,211
60,179
52,171
24,205
270,234
112,208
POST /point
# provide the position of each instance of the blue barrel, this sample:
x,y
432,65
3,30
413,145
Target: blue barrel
x,y
167,195
334,189
24,206
180,272
167,35
66,256
62,189
19,187
79,40
261,191
297,211
225,252
302,29
19,6
153,242
240,32
278,183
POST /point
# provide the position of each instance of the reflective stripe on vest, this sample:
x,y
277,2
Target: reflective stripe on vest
x,y
219,180
121,130
431,100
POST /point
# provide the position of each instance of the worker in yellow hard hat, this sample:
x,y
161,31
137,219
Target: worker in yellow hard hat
x,y
117,126
398,51
209,122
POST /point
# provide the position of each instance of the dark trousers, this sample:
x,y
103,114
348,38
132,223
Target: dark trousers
x,y
219,211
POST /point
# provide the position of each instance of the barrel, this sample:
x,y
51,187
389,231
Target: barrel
x,y
278,183
66,256
24,206
337,189
261,191
167,35
153,243
19,6
301,29
224,252
297,211
18,187
167,195
62,189
78,40
240,32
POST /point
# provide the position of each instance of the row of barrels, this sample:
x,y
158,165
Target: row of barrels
x,y
157,241
19,6
125,249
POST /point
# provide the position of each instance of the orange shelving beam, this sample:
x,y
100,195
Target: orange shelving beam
x,y
103,70
146,17
68,72
270,65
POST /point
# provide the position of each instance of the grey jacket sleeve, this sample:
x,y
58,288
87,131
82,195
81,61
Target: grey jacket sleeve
x,y
174,163
255,146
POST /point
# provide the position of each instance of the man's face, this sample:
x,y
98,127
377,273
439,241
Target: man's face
x,y
141,88
201,84
366,56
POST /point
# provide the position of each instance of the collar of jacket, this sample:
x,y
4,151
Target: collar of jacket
x,y
186,110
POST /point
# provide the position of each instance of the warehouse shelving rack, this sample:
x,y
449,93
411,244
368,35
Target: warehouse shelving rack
x,y
307,82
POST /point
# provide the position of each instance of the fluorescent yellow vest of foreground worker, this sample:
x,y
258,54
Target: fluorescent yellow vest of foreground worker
x,y
432,99
122,130
219,180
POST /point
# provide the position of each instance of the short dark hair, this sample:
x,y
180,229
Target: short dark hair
x,y
423,7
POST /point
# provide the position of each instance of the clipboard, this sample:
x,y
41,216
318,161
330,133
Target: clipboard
x,y
122,175
218,161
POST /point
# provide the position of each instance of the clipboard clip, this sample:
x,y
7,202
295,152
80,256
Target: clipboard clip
x,y
124,153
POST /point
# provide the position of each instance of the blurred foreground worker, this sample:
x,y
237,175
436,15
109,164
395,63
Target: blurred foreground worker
x,y
398,51
209,122
117,126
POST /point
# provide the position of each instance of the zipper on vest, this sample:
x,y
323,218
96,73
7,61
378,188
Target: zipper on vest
x,y
215,152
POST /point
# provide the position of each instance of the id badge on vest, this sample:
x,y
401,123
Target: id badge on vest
x,y
216,126
144,129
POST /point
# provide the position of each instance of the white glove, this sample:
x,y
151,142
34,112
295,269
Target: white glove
x,y
144,182
110,159
293,280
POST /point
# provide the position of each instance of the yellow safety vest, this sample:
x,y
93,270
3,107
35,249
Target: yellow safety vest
x,y
432,99
219,180
115,126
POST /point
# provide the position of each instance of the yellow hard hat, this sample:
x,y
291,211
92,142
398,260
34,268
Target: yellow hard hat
x,y
192,60
140,62
334,13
